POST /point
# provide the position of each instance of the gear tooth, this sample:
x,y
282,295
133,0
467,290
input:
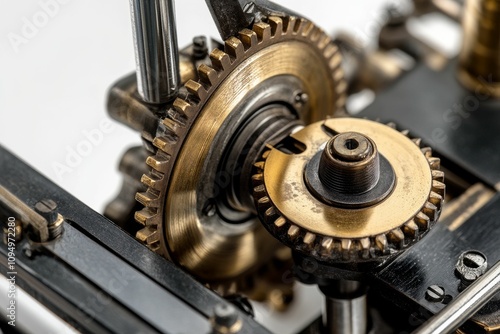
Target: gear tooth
x,y
249,38
234,47
381,243
259,165
163,143
422,221
430,211
293,231
323,41
427,151
410,229
178,115
271,212
207,75
305,28
196,89
263,31
346,245
327,244
438,175
365,247
148,235
289,24
220,60
264,201
439,187
153,180
434,162
158,162
258,178
330,50
148,199
309,239
315,34
391,125
147,217
280,222
276,24
417,141
259,190
436,199
171,127
397,237
335,63
406,132
266,154
182,106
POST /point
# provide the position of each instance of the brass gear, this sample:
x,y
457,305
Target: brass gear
x,y
334,234
172,227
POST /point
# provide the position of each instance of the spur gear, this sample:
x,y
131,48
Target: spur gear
x,y
355,211
198,209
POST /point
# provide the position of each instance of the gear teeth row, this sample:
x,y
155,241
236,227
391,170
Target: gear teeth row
x,y
346,250
174,127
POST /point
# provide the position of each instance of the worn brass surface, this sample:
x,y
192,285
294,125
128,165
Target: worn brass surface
x,y
480,54
293,214
217,250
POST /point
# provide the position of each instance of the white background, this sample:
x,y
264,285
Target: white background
x,y
54,78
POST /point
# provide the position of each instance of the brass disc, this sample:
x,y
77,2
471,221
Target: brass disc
x,y
299,219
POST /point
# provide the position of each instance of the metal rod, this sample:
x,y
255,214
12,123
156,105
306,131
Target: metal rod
x,y
156,51
465,305
26,214
346,308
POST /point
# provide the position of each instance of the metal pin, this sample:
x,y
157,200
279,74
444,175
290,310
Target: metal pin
x,y
156,52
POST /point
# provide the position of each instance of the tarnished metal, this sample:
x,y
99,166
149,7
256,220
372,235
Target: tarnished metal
x,y
479,67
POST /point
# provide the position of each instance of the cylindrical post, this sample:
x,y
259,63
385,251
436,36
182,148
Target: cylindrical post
x,y
156,52
480,55
346,308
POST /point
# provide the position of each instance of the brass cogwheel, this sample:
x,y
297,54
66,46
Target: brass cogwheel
x,y
176,223
330,233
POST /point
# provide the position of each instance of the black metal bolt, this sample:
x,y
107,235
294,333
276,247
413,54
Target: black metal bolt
x,y
47,208
435,293
470,266
225,318
200,49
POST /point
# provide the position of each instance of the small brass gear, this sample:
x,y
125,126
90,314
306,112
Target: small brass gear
x,y
211,249
303,222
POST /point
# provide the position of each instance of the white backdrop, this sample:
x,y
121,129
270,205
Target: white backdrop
x,y
59,57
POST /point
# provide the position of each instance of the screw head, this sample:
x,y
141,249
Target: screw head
x,y
435,293
225,318
471,265
47,208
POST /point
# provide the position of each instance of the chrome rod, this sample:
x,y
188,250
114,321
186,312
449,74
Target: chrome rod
x,y
465,305
156,51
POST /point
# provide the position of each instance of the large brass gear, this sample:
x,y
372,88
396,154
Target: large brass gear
x,y
337,234
273,48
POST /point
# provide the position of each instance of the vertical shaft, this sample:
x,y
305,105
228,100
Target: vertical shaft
x,y
480,54
156,52
346,308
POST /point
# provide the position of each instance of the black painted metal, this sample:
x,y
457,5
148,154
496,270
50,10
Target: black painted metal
x,y
461,126
96,260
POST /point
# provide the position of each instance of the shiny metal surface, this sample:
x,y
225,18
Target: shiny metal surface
x,y
465,305
156,52
346,315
